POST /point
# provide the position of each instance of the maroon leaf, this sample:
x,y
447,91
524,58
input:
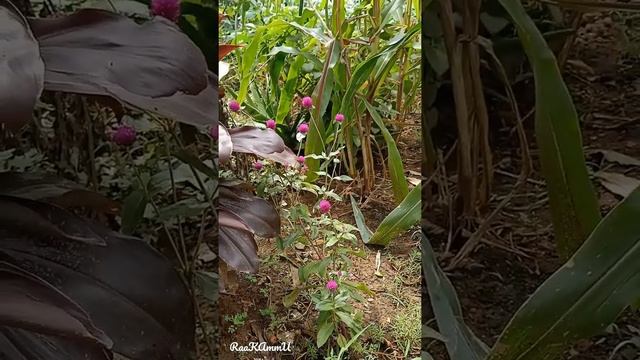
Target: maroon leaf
x,y
264,143
236,246
150,67
225,146
64,193
45,220
131,292
30,303
21,68
260,216
99,52
17,344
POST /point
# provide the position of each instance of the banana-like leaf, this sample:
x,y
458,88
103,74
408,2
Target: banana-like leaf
x,y
461,343
574,205
152,67
407,214
263,143
154,321
396,169
236,243
584,296
30,303
21,67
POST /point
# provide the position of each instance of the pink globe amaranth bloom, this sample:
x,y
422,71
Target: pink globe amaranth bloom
x,y
301,159
332,285
169,9
234,106
124,135
339,117
213,132
271,124
303,128
258,165
324,206
307,102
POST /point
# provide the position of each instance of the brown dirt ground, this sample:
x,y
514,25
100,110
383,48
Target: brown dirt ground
x,y
267,288
519,254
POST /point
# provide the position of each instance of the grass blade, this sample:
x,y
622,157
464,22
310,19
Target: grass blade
x,y
407,214
574,205
584,296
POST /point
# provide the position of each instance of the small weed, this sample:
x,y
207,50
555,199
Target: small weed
x,y
406,327
237,321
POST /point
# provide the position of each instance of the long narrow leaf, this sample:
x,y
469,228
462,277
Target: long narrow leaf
x,y
396,169
584,296
249,58
286,96
407,214
461,343
365,232
574,205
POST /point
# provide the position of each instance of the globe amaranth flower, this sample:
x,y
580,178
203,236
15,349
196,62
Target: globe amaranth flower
x,y
324,206
301,159
258,165
307,102
332,285
271,124
169,9
124,135
213,132
339,117
234,106
303,128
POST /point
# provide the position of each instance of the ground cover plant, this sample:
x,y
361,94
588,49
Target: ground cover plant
x,y
522,216
322,284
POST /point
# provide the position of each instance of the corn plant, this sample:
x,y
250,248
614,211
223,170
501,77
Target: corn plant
x,y
329,52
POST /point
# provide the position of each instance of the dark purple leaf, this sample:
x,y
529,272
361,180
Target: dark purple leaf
x,y
45,220
21,68
150,67
263,143
64,193
29,303
236,246
131,292
225,147
17,344
98,52
260,216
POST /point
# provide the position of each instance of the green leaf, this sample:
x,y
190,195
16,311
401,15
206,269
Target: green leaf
x,y
133,211
322,94
289,89
584,296
407,214
461,342
249,58
574,204
290,298
208,284
314,267
365,232
396,169
324,332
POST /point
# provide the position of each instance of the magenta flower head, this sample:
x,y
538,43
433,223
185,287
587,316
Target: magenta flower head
x,y
169,9
339,117
234,106
332,285
257,165
301,159
324,206
124,135
303,128
213,132
271,124
307,102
